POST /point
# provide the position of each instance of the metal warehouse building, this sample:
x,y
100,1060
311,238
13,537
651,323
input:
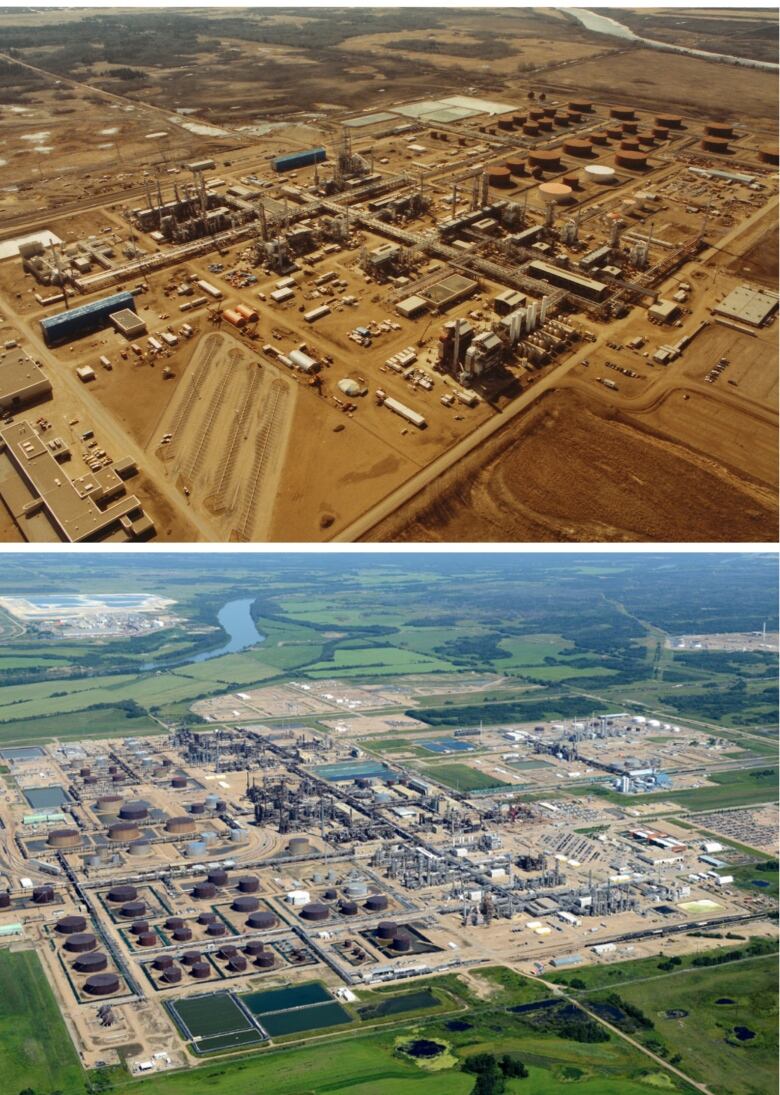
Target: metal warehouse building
x,y
77,322
293,160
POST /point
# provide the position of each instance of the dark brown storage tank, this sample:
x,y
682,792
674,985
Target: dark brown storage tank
x,y
573,116
43,895
546,159
85,772
102,984
216,929
204,890
207,918
505,123
535,113
80,942
386,929
172,976
531,129
660,132
248,884
178,782
91,962
600,137
376,902
182,935
265,960
134,811
348,908
263,921
119,894
614,132
139,927
227,950
669,121
146,939
402,942
624,113
70,924
498,175
584,106
123,832
197,808
768,154
635,161
5,899
201,970
254,946
245,904
314,911
218,877
174,922
572,180
133,909
190,958
645,138
64,838
163,962
577,146
630,127
546,124
715,144
178,826
330,895
237,964
515,165
630,145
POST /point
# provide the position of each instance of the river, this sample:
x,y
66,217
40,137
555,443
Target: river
x,y
602,24
235,617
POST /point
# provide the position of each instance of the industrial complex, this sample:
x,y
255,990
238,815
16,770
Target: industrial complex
x,y
234,332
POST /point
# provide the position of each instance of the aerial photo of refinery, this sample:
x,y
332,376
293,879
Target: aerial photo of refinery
x,y
388,274
391,824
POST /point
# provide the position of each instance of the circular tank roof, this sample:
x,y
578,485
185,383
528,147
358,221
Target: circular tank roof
x,y
555,191
600,171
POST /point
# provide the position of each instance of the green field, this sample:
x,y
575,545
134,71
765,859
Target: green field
x,y
35,1047
377,661
107,722
704,1038
742,787
744,878
460,777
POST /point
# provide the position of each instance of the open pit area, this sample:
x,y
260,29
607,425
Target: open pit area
x,y
240,310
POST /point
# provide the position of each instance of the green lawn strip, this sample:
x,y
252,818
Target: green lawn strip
x,y
107,722
460,777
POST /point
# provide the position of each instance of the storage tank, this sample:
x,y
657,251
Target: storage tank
x,y
377,902
497,175
531,129
64,838
299,845
204,891
237,835
386,929
91,962
206,918
140,847
182,935
190,958
133,909
599,137
119,894
5,899
546,124
356,887
163,962
197,808
614,132
146,939
599,173
555,192
227,950
134,811
660,132
195,849
179,782
237,964
578,146
216,929
138,927
546,159
218,877
178,826
402,942
102,984
315,911
70,924
582,106
348,908
109,804
264,921
80,942
265,960
769,153
515,165
669,121
635,161
715,144
249,314
245,904
43,895
248,884
254,946
118,834
200,971
174,922
624,113
630,127
172,976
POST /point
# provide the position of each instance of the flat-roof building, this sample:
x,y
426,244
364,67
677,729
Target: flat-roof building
x,y
748,304
84,319
22,382
128,323
565,279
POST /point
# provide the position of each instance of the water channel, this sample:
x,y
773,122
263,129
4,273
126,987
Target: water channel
x,y
235,617
603,24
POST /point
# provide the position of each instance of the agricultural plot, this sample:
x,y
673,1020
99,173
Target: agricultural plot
x,y
377,661
461,778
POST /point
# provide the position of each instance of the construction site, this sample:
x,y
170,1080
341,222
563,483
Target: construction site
x,y
260,874
390,331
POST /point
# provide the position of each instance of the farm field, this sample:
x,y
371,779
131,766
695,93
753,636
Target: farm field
x,y
460,777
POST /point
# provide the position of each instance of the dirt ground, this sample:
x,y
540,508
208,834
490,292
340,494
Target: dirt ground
x,y
603,480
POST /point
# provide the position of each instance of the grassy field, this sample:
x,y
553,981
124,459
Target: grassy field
x,y
744,878
108,722
460,777
704,1038
376,662
35,1048
738,788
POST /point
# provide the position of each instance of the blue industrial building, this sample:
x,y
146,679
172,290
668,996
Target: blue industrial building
x,y
293,160
83,320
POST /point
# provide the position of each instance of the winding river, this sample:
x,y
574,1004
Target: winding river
x,y
603,24
235,617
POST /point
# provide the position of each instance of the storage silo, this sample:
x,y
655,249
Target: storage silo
x,y
264,921
91,962
80,942
118,894
102,984
315,911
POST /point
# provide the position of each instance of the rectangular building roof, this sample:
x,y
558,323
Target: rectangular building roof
x,y
748,304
